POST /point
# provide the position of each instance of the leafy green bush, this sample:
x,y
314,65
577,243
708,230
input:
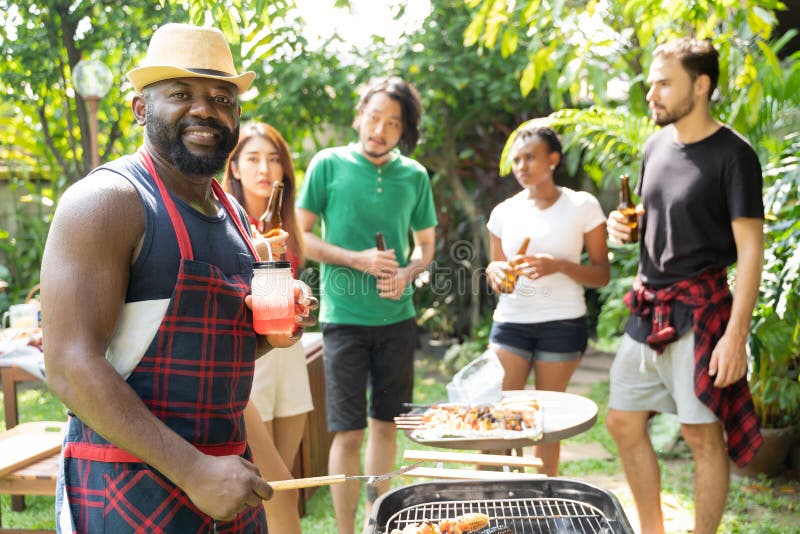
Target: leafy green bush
x,y
21,248
775,339
614,313
462,353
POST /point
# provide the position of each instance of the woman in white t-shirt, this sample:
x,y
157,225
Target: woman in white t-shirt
x,y
540,322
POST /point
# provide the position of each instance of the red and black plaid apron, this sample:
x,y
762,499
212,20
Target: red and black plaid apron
x,y
195,376
710,299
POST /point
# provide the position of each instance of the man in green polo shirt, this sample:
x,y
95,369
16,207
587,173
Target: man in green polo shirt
x,y
367,314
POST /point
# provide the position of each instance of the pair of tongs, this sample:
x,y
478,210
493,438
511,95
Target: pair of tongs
x,y
310,482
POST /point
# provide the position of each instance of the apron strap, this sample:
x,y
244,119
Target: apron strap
x,y
184,243
226,203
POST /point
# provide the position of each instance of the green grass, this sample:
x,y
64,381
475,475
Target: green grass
x,y
753,507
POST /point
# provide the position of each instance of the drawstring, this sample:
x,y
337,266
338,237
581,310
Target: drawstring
x,y
643,357
643,347
642,362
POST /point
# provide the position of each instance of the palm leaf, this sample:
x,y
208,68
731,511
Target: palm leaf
x,y
608,138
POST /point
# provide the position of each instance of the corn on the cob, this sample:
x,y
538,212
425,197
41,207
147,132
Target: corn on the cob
x,y
472,521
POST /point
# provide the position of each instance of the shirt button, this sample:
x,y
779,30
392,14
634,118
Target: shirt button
x,y
380,179
380,190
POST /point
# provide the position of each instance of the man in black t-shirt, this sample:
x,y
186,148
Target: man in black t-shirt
x,y
684,349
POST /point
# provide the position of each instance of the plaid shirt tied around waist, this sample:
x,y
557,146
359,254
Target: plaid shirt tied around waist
x,y
710,299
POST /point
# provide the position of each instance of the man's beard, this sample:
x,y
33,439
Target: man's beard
x,y
683,108
373,154
169,136
377,155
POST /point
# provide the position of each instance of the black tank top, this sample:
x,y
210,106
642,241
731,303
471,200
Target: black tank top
x,y
215,239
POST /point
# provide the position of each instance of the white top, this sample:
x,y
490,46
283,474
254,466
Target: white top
x,y
557,230
137,326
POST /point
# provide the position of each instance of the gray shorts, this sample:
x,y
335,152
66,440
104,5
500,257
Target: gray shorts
x,y
642,380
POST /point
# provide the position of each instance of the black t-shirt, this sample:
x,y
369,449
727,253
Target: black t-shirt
x,y
691,193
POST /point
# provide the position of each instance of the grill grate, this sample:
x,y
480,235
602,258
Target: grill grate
x,y
523,515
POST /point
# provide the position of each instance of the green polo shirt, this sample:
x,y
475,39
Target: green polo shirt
x,y
354,198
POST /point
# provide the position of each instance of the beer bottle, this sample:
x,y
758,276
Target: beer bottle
x,y
628,208
380,244
513,274
523,248
270,222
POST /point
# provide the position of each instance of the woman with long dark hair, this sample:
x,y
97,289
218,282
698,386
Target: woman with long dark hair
x,y
281,393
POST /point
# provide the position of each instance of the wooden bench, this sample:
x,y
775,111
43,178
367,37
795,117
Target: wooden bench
x,y
29,461
38,478
9,378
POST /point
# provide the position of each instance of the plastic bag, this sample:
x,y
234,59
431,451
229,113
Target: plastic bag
x,y
478,382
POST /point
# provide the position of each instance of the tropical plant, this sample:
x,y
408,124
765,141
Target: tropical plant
x,y
775,336
601,142
44,138
460,354
32,207
471,104
758,94
310,93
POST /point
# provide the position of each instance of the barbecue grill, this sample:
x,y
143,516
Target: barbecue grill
x,y
552,505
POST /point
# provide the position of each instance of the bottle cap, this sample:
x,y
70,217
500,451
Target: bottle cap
x,y
272,265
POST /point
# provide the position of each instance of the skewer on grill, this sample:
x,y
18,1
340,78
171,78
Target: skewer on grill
x,y
414,421
408,417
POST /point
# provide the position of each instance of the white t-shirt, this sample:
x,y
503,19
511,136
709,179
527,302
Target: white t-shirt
x,y
557,230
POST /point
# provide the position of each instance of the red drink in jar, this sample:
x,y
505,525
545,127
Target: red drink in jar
x,y
273,298
276,325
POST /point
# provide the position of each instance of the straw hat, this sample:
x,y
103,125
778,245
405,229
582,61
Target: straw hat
x,y
186,51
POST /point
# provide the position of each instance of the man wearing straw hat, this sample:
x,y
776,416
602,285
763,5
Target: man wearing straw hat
x,y
150,342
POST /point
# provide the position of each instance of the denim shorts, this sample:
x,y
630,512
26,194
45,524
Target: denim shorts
x,y
357,356
551,341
